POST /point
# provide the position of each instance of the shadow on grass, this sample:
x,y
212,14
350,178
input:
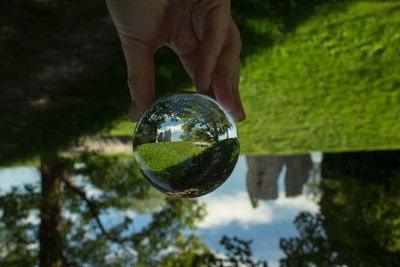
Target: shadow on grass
x,y
200,174
62,73
262,23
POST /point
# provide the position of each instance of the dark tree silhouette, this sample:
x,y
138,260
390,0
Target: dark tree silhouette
x,y
359,220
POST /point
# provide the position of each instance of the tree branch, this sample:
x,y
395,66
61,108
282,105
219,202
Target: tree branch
x,y
92,209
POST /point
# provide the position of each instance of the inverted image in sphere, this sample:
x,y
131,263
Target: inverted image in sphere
x,y
186,145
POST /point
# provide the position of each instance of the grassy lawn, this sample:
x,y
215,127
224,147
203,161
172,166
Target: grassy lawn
x,y
184,169
332,85
160,156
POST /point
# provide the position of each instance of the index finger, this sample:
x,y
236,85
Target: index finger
x,y
140,64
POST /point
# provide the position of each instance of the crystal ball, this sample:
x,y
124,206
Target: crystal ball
x,y
186,145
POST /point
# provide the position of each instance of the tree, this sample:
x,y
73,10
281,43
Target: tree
x,y
359,222
311,247
239,252
77,232
19,247
82,237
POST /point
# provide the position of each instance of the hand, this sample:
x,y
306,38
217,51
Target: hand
x,y
201,32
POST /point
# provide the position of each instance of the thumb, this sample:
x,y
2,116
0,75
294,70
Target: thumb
x,y
140,64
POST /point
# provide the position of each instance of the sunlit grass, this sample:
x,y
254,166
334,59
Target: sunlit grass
x,y
161,156
332,85
123,127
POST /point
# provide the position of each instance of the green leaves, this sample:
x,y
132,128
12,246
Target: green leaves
x,y
18,227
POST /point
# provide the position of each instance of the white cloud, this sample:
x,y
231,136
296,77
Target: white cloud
x,y
298,203
173,128
225,209
92,192
33,218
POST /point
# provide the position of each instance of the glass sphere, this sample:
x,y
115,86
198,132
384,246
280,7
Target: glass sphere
x,y
186,145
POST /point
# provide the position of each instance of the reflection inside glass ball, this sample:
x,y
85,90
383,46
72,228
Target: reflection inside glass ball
x,y
186,145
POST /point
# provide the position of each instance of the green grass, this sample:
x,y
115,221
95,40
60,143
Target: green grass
x,y
160,156
331,84
124,127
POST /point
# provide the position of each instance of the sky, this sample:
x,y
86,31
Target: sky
x,y
175,127
229,211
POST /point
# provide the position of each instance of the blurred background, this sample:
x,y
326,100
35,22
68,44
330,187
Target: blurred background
x,y
318,179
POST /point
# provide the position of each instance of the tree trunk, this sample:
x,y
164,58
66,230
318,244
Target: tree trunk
x,y
215,132
50,232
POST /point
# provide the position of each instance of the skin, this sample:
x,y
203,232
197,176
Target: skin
x,y
201,32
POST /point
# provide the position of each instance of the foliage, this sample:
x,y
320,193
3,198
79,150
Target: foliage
x,y
19,246
239,251
363,187
119,183
122,188
106,189
311,247
359,224
99,196
204,122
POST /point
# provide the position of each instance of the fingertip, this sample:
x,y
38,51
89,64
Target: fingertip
x,y
239,116
201,79
224,95
238,113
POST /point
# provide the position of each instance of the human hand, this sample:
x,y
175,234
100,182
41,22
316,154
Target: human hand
x,y
202,34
